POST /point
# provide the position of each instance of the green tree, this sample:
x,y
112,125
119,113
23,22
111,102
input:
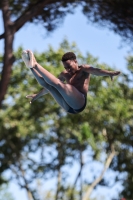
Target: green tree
x,y
116,15
41,140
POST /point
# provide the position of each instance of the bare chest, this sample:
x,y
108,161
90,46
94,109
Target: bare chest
x,y
80,80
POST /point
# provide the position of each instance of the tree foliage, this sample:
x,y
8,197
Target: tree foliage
x,y
116,15
42,141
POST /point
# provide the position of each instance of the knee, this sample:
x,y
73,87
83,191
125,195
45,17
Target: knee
x,y
59,84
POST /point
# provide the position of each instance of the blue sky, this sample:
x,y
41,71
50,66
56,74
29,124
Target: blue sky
x,y
100,42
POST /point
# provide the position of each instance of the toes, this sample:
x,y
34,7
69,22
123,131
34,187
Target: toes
x,y
24,52
30,53
25,56
32,58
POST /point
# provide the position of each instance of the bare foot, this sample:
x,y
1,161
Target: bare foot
x,y
33,97
28,58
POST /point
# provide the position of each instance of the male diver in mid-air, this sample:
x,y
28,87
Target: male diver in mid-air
x,y
71,87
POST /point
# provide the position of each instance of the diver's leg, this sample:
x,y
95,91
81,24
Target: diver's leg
x,y
72,96
50,89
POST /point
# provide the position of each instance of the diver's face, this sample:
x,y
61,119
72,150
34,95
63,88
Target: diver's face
x,y
71,66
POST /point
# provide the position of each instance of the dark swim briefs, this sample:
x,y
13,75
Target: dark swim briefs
x,y
75,111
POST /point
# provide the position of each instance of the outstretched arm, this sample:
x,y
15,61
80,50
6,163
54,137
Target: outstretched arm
x,y
99,72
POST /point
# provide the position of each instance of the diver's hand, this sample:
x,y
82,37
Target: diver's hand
x,y
114,73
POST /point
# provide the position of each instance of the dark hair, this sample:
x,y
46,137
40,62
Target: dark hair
x,y
68,56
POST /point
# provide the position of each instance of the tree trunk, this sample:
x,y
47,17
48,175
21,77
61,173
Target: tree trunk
x,y
58,184
78,176
7,65
10,28
81,167
8,50
97,180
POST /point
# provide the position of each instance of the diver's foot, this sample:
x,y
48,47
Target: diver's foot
x,y
26,58
32,59
29,58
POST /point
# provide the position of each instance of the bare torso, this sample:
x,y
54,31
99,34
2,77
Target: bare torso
x,y
79,80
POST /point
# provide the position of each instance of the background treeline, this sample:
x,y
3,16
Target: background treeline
x,y
114,14
41,142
